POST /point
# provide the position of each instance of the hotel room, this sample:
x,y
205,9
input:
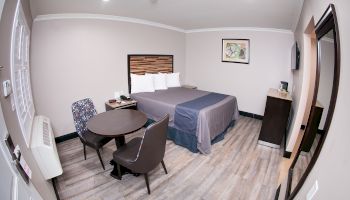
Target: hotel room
x,y
159,99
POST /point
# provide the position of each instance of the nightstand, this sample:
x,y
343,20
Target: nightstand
x,y
131,104
275,121
189,86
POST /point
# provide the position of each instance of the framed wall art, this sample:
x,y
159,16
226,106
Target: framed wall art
x,y
235,50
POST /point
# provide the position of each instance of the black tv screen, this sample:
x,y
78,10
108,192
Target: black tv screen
x,y
295,57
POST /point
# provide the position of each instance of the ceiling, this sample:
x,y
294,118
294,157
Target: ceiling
x,y
186,14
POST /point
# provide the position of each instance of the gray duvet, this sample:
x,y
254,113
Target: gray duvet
x,y
210,122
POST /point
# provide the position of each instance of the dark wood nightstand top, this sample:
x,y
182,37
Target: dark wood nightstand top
x,y
123,104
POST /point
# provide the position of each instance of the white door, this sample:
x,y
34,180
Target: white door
x,y
6,172
12,186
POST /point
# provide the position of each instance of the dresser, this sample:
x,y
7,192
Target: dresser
x,y
275,120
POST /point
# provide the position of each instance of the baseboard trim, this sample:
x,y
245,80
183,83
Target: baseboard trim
x,y
251,115
268,144
287,154
66,137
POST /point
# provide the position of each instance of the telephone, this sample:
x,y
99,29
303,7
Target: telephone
x,y
124,98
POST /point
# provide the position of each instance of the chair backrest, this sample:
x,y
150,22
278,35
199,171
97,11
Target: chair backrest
x,y
82,111
152,149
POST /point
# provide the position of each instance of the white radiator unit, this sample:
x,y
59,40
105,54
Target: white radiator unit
x,y
43,147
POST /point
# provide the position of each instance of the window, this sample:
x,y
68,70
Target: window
x,y
20,74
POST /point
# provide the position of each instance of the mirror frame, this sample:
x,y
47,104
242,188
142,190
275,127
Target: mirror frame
x,y
327,22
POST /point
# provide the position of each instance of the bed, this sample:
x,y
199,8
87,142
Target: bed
x,y
197,118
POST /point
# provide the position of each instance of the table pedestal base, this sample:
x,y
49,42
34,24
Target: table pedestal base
x,y
124,170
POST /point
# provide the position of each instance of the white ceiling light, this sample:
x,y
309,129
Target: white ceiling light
x,y
105,0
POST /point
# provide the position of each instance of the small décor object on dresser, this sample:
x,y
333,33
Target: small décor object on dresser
x,y
112,100
283,86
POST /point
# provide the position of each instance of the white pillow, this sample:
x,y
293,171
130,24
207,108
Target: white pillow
x,y
173,80
141,83
159,81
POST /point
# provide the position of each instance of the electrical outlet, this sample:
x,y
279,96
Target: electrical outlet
x,y
310,195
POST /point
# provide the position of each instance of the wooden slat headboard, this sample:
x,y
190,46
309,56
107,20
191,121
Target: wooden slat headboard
x,y
147,63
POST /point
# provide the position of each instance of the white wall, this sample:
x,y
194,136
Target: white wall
x,y
326,77
331,168
78,58
269,64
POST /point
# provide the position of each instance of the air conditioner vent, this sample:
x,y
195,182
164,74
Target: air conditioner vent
x,y
44,149
46,134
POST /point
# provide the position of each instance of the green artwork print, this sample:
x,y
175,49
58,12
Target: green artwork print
x,y
235,50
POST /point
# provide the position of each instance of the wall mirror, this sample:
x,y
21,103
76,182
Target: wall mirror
x,y
324,100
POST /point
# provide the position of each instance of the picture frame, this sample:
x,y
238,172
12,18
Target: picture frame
x,y
235,51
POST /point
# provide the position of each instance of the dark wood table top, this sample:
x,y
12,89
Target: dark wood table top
x,y
115,123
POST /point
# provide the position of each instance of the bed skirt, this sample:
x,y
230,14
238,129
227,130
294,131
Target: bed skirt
x,y
189,141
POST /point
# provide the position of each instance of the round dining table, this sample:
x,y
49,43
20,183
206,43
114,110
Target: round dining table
x,y
117,123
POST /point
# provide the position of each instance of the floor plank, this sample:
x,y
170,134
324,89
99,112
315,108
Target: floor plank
x,y
237,168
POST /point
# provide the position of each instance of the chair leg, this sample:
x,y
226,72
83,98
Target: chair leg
x,y
99,156
84,151
119,171
147,183
166,172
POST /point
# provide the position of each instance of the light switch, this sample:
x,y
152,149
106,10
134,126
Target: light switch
x,y
7,87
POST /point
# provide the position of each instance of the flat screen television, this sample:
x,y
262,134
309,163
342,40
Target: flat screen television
x,y
295,57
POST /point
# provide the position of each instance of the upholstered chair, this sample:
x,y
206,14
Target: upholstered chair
x,y
141,155
83,110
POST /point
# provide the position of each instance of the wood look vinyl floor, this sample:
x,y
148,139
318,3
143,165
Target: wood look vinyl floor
x,y
302,163
237,168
